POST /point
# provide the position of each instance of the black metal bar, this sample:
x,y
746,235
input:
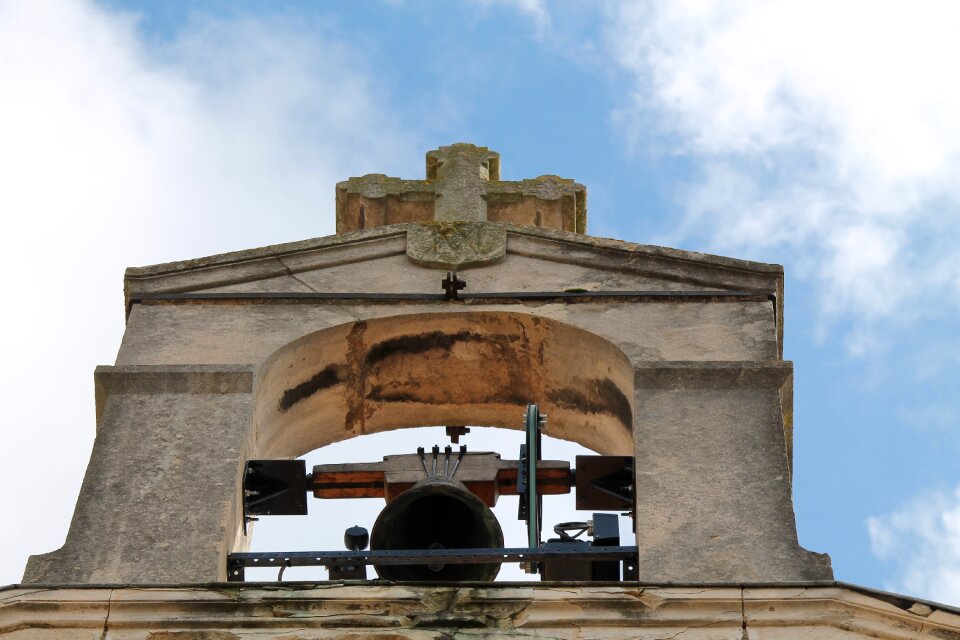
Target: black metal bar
x,y
252,502
554,295
533,422
423,297
424,556
285,296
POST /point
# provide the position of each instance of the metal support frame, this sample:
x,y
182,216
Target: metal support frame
x,y
270,487
530,507
274,487
533,425
237,562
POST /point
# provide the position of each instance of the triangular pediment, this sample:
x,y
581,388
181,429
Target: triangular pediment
x,y
493,258
391,259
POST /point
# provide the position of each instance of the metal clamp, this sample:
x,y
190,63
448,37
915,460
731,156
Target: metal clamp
x,y
452,285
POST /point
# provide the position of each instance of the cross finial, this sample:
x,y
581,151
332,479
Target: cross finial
x,y
460,173
462,185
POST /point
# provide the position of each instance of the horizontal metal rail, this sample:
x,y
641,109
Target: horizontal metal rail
x,y
310,296
425,556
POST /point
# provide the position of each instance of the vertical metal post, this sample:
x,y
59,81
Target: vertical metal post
x,y
533,424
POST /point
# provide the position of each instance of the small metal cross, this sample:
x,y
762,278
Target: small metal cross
x,y
452,285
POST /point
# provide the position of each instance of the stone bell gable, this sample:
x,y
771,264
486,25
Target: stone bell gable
x,y
453,300
669,356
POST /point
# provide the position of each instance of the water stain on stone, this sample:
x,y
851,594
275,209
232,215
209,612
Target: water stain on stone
x,y
327,377
596,396
356,419
450,623
423,342
461,367
380,394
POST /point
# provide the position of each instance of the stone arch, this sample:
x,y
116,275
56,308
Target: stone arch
x,y
463,368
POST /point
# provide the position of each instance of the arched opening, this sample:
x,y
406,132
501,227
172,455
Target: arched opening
x,y
324,526
473,367
371,377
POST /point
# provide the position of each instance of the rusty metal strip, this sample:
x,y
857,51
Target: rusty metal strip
x,y
294,297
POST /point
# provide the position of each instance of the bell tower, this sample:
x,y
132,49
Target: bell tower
x,y
457,299
671,358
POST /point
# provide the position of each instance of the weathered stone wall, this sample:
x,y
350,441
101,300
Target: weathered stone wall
x,y
700,511
248,333
158,500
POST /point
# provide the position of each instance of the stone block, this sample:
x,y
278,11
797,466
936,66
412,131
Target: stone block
x,y
713,483
158,501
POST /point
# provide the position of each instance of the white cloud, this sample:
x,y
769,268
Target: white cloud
x,y
922,539
119,153
830,131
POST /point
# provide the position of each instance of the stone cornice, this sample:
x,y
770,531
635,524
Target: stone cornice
x,y
713,375
568,237
329,610
152,379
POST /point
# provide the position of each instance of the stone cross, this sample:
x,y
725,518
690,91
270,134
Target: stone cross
x,y
460,175
462,185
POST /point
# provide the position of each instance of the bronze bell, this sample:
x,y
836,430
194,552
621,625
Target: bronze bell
x,y
438,512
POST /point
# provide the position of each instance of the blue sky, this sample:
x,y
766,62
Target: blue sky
x,y
819,136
